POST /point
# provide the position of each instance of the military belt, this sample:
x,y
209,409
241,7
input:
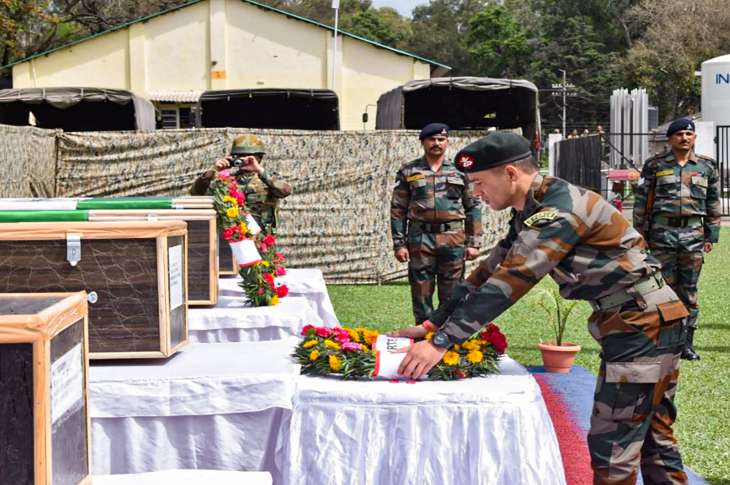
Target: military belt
x,y
437,227
680,221
644,286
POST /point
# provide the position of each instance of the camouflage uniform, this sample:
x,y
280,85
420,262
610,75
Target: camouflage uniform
x,y
263,192
594,254
686,213
435,216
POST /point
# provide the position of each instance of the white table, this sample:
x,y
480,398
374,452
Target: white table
x,y
493,430
211,406
231,320
302,282
186,477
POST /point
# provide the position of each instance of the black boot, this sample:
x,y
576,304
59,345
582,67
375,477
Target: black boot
x,y
689,352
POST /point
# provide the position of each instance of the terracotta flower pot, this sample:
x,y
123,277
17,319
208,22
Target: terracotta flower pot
x,y
558,358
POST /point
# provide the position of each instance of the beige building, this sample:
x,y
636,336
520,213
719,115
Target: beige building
x,y
173,56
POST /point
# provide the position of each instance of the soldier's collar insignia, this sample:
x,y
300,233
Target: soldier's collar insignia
x,y
539,218
465,161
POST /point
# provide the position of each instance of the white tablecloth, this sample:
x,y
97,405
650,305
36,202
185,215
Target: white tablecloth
x,y
211,406
493,430
186,477
303,282
232,321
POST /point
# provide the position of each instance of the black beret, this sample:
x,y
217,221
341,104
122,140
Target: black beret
x,y
432,129
495,149
679,125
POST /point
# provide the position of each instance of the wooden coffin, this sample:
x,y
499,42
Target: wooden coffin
x,y
134,273
44,406
228,265
202,245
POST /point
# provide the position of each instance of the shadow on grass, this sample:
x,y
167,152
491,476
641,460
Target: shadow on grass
x,y
713,326
712,348
717,481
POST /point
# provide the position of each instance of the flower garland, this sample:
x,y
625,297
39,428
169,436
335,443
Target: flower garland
x,y
258,276
349,353
259,279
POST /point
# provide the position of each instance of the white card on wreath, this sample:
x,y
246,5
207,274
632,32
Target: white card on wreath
x,y
387,360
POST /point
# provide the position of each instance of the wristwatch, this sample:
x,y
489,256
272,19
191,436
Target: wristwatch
x,y
441,340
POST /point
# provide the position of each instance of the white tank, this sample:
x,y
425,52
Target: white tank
x,y
716,90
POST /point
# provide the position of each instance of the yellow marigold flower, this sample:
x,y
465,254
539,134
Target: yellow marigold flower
x,y
470,345
232,212
429,336
244,228
229,199
309,344
314,355
475,356
354,336
274,300
457,347
265,263
335,363
451,358
331,345
370,336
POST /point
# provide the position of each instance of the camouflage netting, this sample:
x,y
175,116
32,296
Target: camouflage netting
x,y
337,219
27,161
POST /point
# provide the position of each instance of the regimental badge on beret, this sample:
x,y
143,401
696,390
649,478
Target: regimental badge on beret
x,y
540,218
682,124
465,161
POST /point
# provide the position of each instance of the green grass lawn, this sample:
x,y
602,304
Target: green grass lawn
x,y
703,397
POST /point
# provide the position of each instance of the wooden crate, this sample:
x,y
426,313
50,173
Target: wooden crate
x,y
135,270
202,245
44,407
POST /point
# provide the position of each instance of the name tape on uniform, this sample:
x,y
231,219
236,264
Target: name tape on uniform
x,y
542,216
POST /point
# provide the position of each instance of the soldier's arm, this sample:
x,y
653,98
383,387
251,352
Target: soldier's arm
x,y
399,210
278,187
535,252
202,183
473,221
713,207
477,277
641,196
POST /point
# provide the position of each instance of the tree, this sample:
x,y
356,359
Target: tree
x,y
383,25
497,43
676,38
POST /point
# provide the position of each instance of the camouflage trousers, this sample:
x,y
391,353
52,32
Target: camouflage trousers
x,y
435,259
633,409
681,270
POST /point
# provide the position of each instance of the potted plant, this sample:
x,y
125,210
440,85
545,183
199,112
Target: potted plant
x,y
557,356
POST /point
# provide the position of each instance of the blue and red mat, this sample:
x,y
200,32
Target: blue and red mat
x,y
569,400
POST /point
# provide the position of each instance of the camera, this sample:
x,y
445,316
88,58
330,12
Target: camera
x,y
235,162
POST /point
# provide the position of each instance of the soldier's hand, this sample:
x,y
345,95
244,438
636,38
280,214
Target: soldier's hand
x,y
221,163
402,255
251,164
422,356
708,246
417,331
471,253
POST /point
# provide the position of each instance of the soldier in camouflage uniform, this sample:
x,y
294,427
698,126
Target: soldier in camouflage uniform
x,y
435,222
594,254
677,210
263,190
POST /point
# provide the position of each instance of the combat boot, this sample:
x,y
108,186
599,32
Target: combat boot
x,y
689,352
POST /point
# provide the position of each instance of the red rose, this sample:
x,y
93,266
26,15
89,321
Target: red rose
x,y
241,199
280,271
307,328
459,373
498,341
269,278
279,256
228,233
323,331
282,291
260,291
264,247
269,240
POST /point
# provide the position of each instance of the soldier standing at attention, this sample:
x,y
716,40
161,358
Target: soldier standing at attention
x,y
435,222
677,210
594,254
263,190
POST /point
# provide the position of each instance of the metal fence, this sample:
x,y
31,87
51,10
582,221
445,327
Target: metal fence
x,y
722,140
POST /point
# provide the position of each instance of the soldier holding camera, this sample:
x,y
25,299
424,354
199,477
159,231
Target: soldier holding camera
x,y
262,189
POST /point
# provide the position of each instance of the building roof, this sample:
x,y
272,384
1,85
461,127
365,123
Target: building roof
x,y
443,67
174,96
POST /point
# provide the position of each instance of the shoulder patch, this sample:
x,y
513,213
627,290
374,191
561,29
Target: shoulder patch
x,y
662,173
417,176
535,220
